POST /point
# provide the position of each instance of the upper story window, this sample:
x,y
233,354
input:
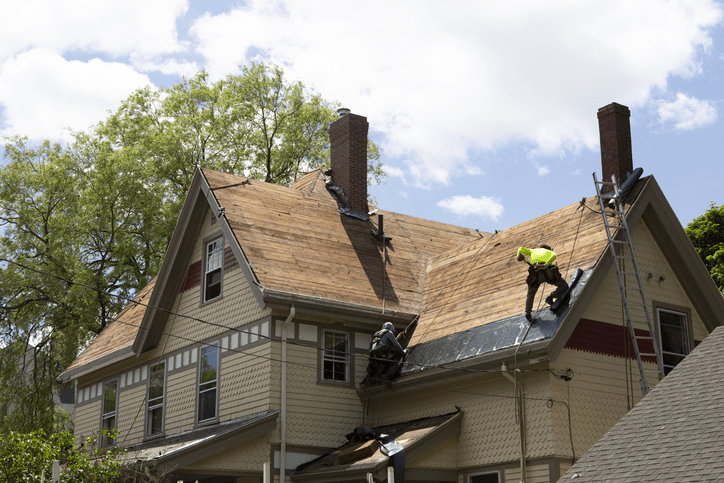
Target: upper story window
x,y
208,383
213,268
335,356
110,406
156,396
674,336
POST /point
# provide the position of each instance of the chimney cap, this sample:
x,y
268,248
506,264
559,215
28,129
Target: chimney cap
x,y
343,111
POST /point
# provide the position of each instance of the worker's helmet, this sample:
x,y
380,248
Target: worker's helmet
x,y
388,326
547,247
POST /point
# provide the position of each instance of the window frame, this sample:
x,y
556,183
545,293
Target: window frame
x,y
162,405
688,327
216,381
109,415
347,359
205,273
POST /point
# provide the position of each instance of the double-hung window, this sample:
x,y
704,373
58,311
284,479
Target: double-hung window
x,y
213,268
335,356
156,396
110,407
674,336
208,383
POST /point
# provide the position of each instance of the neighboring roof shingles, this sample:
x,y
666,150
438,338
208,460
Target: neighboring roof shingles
x,y
119,335
675,434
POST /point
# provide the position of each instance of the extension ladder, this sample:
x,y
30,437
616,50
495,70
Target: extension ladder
x,y
618,242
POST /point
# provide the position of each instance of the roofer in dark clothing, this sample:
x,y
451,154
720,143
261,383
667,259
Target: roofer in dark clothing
x,y
386,355
541,270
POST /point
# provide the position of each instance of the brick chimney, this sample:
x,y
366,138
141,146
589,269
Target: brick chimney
x,y
615,130
348,146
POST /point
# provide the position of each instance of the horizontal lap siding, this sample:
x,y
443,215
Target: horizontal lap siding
x,y
317,414
248,457
131,414
245,382
87,420
181,400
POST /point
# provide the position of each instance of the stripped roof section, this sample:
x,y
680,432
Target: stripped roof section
x,y
119,335
482,282
298,242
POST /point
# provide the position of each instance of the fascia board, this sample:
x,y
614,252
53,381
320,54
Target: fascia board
x,y
183,233
676,247
97,365
332,308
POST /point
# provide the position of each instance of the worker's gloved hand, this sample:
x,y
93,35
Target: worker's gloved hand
x,y
521,257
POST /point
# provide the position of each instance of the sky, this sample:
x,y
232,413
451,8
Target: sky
x,y
485,111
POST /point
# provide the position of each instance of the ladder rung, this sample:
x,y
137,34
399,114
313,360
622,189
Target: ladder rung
x,y
646,354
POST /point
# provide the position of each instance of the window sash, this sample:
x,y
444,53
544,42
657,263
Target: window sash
x,y
673,337
208,379
213,269
335,357
108,415
156,393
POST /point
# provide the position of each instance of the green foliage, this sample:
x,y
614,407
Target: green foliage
x,y
707,235
25,457
101,211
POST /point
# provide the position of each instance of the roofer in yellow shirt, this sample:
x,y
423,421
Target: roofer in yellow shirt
x,y
541,270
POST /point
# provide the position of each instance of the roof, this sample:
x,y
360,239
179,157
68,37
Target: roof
x,y
296,247
116,339
676,432
185,449
353,460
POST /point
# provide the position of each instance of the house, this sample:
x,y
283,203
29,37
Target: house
x,y
242,360
674,434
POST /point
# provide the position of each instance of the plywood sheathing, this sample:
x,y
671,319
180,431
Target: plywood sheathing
x,y
299,243
482,282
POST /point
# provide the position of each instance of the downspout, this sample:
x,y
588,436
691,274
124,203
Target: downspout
x,y
283,444
520,413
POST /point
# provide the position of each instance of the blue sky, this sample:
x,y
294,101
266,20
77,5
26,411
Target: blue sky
x,y
485,111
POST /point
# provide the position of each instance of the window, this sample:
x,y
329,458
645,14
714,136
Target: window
x,y
213,263
156,390
674,336
493,477
110,398
208,379
335,357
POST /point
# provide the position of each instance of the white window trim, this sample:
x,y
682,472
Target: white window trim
x,y
161,405
217,263
215,388
347,359
108,415
676,310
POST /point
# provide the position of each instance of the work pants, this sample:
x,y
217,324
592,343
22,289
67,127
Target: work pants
x,y
541,277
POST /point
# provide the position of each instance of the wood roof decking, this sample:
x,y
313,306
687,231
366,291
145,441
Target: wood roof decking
x,y
119,335
482,282
298,242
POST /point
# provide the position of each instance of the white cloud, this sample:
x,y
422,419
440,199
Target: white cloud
x,y
395,172
466,205
542,170
43,94
133,27
448,82
687,112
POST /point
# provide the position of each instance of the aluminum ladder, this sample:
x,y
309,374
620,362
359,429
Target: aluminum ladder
x,y
619,240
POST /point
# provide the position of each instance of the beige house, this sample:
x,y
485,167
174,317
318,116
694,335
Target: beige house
x,y
242,360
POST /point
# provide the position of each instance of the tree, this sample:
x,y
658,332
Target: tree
x,y
707,235
84,227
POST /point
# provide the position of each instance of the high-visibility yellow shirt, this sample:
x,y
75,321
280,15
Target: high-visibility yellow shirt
x,y
538,255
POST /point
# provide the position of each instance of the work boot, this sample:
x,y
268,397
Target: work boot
x,y
529,317
549,300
